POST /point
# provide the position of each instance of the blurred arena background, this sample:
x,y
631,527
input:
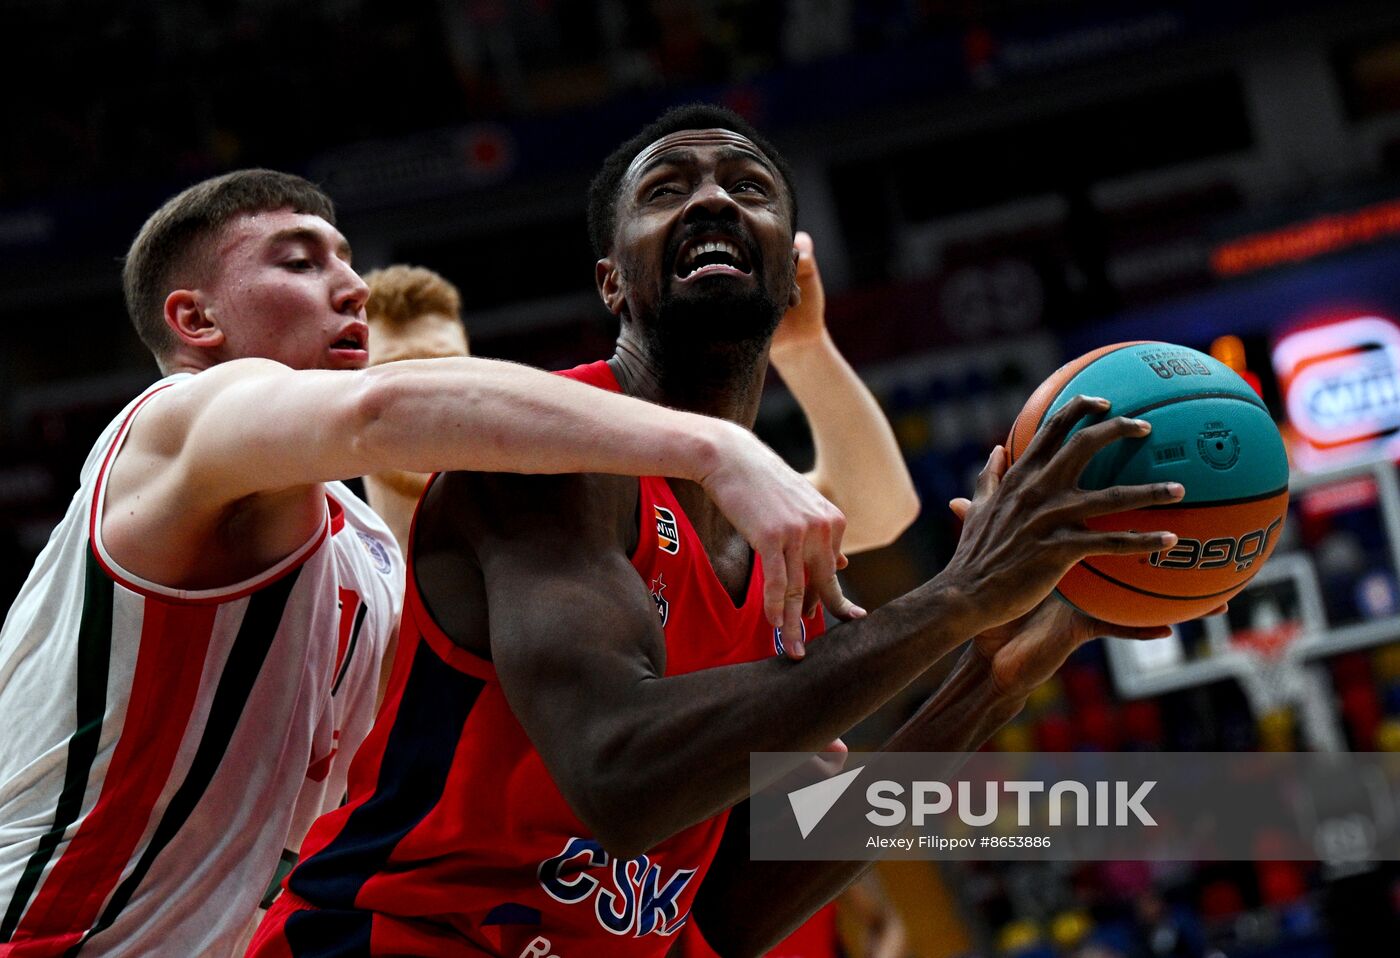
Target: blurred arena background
x,y
993,188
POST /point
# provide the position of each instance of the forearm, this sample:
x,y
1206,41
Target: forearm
x,y
957,719
666,728
859,466
474,414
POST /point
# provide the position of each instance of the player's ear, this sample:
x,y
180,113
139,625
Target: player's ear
x,y
608,277
190,319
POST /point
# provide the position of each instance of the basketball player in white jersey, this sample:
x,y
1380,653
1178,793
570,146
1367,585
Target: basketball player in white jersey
x,y
194,657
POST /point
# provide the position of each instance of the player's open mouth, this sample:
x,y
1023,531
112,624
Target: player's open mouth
x,y
703,256
353,339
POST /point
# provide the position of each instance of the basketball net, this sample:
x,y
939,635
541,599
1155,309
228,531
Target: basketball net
x,y
1274,675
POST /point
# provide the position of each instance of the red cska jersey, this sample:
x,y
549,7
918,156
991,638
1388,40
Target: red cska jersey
x,y
455,840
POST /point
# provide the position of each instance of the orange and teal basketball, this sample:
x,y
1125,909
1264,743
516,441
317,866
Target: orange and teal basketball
x,y
1210,432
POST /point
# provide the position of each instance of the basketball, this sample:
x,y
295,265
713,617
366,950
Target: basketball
x,y
1210,432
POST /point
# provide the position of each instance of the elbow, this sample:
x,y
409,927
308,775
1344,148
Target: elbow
x,y
613,798
614,815
905,508
896,514
619,790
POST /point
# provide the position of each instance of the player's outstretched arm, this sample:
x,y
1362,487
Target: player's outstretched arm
x,y
580,653
986,689
859,466
256,428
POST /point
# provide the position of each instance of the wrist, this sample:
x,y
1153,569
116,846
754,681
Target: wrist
x,y
1002,699
790,350
999,704
710,445
968,709
959,609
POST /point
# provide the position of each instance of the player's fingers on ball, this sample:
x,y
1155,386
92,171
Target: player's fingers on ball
x,y
1123,543
990,476
1103,502
1220,609
1091,440
1051,435
1138,633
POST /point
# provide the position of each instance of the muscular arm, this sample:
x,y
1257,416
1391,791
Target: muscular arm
x,y
581,655
859,466
986,689
638,755
250,439
254,426
958,718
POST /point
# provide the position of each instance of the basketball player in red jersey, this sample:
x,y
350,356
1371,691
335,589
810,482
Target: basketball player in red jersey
x,y
413,313
194,658
584,670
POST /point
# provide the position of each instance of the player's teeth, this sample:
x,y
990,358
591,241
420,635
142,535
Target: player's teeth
x,y
712,247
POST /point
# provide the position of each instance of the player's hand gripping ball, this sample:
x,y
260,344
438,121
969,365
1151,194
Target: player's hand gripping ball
x,y
1212,434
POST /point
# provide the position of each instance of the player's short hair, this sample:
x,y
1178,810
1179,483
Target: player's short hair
x,y
399,295
175,240
603,191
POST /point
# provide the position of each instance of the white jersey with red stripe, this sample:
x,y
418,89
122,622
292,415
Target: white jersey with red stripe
x,y
160,749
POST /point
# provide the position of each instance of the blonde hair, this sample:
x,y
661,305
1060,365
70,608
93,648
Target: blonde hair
x,y
400,294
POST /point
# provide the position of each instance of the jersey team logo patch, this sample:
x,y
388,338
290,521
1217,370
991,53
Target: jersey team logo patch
x,y
668,537
663,607
778,647
377,553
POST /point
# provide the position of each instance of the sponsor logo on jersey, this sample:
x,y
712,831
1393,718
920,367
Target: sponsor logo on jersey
x,y
377,553
627,897
668,537
1217,553
778,647
663,607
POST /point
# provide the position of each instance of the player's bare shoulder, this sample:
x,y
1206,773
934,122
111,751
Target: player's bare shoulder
x,y
164,423
162,515
473,525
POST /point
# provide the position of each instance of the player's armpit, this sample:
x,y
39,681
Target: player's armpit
x,y
573,633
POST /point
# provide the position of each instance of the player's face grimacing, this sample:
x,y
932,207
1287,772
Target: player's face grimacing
x,y
703,216
282,288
